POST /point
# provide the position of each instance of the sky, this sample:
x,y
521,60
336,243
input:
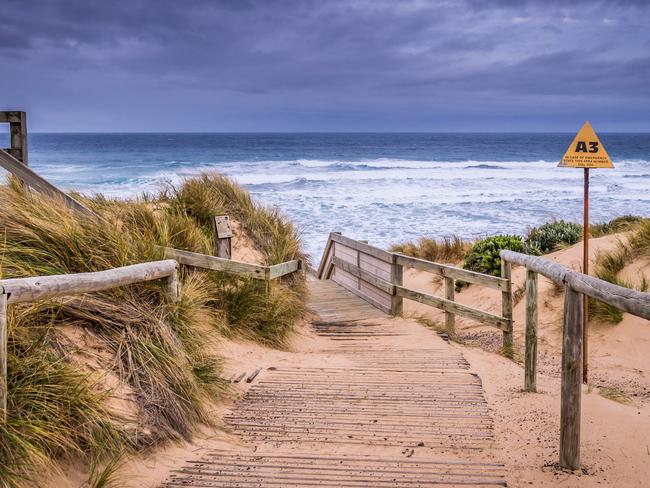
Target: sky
x,y
326,65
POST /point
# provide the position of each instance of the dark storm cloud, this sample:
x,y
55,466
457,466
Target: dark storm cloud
x,y
326,65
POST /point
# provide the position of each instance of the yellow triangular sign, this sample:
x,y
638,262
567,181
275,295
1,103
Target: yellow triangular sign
x,y
586,151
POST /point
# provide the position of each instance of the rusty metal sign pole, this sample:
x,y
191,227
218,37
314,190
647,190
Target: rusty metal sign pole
x,y
585,265
586,151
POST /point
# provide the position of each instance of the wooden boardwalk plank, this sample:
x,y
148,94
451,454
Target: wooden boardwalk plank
x,y
402,410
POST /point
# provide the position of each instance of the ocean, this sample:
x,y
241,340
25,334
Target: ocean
x,y
382,187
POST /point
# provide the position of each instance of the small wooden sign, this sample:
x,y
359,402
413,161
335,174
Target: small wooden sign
x,y
222,226
222,237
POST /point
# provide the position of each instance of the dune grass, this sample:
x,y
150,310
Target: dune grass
x,y
164,352
619,224
447,250
609,265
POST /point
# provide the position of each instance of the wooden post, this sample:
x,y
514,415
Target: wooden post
x,y
18,135
530,361
396,278
585,265
268,284
450,317
359,264
222,237
18,131
173,287
3,357
506,308
571,380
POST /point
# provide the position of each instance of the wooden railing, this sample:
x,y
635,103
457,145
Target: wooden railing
x,y
20,290
576,285
231,266
377,276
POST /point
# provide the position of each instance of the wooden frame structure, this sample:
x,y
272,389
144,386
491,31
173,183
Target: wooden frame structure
x,y
377,276
577,286
18,134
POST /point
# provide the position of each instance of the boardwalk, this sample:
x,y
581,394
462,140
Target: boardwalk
x,y
404,410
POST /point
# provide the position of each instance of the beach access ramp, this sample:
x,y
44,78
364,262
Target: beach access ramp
x,y
390,405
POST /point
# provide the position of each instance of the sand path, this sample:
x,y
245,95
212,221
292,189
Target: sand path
x,y
377,402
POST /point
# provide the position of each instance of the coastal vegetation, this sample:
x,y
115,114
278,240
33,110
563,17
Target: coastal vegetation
x,y
446,250
551,236
483,256
610,265
124,369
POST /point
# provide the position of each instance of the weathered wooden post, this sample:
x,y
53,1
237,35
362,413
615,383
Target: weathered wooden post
x,y
450,317
571,380
506,307
396,278
173,287
222,237
17,134
530,361
3,355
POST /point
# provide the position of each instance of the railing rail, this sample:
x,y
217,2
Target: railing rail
x,y
19,290
231,266
576,286
376,276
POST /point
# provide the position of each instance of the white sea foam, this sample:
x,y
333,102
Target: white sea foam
x,y
390,200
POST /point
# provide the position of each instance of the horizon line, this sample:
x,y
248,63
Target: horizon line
x,y
330,132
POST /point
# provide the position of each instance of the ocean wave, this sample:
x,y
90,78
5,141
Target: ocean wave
x,y
293,184
485,166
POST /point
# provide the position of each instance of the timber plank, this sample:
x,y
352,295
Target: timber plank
x,y
306,425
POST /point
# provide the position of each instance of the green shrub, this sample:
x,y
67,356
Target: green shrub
x,y
548,237
484,254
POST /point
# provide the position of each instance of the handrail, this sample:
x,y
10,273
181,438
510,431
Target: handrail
x,y
373,266
40,184
324,261
626,299
455,272
577,286
19,290
231,266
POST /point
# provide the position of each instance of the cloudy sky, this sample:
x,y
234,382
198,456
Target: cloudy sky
x,y
326,65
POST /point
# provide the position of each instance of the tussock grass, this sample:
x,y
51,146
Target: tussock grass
x,y
448,249
212,194
609,265
619,224
164,352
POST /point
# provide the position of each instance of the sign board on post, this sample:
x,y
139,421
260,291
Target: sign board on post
x,y
222,237
586,151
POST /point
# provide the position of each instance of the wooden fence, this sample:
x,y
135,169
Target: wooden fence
x,y
576,285
21,290
377,276
231,266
